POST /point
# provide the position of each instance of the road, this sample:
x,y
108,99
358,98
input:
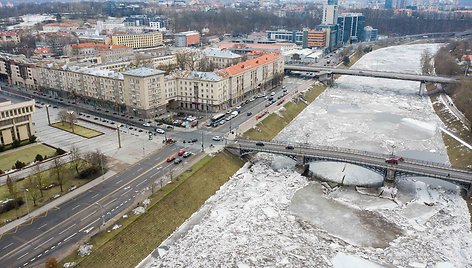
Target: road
x,y
370,73
63,227
413,166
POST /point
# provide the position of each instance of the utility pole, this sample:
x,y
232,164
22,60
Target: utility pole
x,y
119,138
202,140
26,200
47,111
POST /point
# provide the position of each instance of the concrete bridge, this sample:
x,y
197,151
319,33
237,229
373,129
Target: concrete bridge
x,y
328,72
304,154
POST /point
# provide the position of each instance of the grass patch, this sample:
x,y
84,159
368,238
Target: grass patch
x,y
170,207
24,154
48,177
78,130
268,128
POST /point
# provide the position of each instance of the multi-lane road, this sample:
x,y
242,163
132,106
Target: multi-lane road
x,y
62,227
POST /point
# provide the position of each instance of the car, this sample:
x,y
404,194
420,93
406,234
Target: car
x,y
170,159
181,152
194,140
56,196
54,106
222,122
130,128
140,120
169,127
72,188
187,154
249,113
216,138
178,161
259,143
112,123
146,124
284,87
289,147
106,111
272,93
140,130
160,131
238,107
96,118
268,104
394,160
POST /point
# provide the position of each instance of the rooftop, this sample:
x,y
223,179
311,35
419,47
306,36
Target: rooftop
x,y
3,100
203,76
250,64
8,34
143,72
63,24
220,53
94,71
187,33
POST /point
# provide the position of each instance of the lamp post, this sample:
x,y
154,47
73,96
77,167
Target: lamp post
x,y
119,138
26,200
47,111
103,214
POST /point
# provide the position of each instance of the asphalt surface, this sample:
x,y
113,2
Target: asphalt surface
x,y
418,167
65,225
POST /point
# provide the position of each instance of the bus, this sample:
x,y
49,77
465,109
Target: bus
x,y
217,117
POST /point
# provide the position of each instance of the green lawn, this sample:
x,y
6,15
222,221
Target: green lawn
x,y
78,129
170,207
24,154
268,128
48,177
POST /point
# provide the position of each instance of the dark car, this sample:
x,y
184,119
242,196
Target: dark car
x,y
394,160
289,147
177,161
194,140
249,113
259,143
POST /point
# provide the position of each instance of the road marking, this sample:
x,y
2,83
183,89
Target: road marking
x,y
24,264
141,183
84,209
32,260
67,229
110,202
89,225
39,256
118,182
7,245
53,247
88,215
46,251
23,255
42,226
94,196
125,192
69,237
44,243
76,207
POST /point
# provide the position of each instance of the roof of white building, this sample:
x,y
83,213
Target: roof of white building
x,y
143,72
94,71
202,76
220,53
306,52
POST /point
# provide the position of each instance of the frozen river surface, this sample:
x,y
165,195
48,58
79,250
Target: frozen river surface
x,y
268,215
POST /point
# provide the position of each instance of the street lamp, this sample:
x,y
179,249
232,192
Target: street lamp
x,y
26,200
47,111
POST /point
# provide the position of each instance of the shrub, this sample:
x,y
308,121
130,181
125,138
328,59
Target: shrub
x,y
51,263
39,158
86,173
16,143
32,139
1,172
2,147
19,164
11,204
59,151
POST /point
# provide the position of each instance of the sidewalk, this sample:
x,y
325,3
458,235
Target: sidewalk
x,y
66,197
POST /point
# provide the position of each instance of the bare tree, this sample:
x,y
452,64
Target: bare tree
x,y
11,189
426,65
62,115
38,179
69,117
76,156
58,168
97,160
186,59
32,189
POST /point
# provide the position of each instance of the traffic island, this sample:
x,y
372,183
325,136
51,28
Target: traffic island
x,y
77,129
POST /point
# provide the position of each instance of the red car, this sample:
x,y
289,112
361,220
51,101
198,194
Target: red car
x,y
170,159
181,152
394,160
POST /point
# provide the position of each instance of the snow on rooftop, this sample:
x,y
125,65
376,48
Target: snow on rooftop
x,y
94,71
220,53
143,72
204,76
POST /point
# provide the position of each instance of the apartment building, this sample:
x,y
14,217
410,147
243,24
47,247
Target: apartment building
x,y
251,76
221,58
9,37
98,53
204,91
138,40
155,61
144,91
187,39
17,70
15,121
314,39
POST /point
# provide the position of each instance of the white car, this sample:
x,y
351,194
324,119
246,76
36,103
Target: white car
x,y
216,138
160,131
146,124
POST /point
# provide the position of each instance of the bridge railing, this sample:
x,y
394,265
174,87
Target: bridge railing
x,y
357,152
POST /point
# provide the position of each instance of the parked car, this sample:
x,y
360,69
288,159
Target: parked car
x,y
259,143
289,147
181,152
249,113
216,138
394,160
146,124
194,140
187,154
177,161
160,131
170,159
169,127
72,188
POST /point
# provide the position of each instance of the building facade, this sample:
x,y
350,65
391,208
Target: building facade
x,y
286,36
221,58
65,26
15,121
314,39
9,37
105,53
142,40
351,26
187,39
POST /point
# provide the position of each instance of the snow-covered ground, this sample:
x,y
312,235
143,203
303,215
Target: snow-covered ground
x,y
268,215
31,20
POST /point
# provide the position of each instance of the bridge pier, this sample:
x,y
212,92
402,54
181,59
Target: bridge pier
x,y
468,194
301,166
422,90
389,175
